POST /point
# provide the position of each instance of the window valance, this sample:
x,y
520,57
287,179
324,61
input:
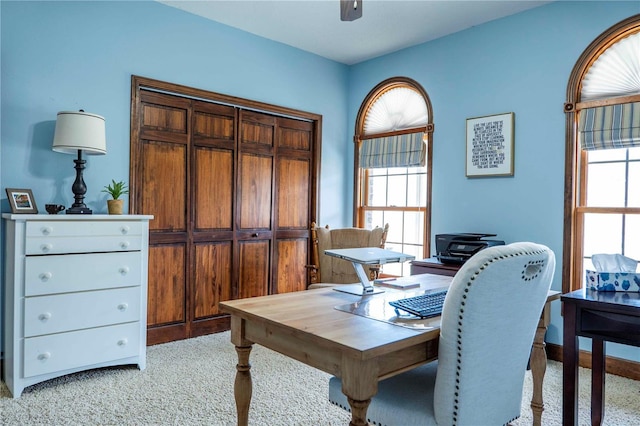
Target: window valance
x,y
408,150
610,126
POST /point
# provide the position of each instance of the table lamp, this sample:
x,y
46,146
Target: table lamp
x,y
81,132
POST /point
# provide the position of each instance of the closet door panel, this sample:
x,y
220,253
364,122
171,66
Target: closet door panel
x,y
257,129
293,193
295,134
213,122
291,274
255,189
167,118
213,189
164,192
166,297
253,275
212,278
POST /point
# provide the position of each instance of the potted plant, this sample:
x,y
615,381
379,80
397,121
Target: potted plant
x,y
115,189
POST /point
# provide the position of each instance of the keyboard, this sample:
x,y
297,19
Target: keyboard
x,y
424,306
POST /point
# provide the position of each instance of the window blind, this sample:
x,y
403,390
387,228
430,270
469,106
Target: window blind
x,y
408,150
610,126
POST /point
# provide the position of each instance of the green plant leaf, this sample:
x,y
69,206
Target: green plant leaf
x,y
116,189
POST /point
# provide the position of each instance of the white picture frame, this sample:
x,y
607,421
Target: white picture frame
x,y
490,145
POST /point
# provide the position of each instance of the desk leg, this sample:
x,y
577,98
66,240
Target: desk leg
x,y
598,371
243,387
538,362
570,354
359,384
358,412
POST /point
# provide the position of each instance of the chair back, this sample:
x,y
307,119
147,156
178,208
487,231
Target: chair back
x,y
489,319
329,269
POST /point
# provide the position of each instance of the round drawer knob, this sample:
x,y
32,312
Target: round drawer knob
x,y
124,230
44,356
122,342
123,307
124,244
45,276
44,317
46,230
124,270
46,248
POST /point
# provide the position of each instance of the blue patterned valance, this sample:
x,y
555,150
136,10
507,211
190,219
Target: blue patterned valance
x,y
407,150
611,126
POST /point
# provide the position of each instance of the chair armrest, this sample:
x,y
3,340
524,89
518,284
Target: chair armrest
x,y
374,271
313,274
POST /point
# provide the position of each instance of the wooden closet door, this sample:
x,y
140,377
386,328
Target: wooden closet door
x,y
255,203
294,193
163,167
213,189
232,192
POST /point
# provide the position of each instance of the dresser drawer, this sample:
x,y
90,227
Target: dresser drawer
x,y
75,311
57,352
81,237
82,229
81,272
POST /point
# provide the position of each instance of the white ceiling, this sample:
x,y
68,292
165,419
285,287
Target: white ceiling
x,y
386,25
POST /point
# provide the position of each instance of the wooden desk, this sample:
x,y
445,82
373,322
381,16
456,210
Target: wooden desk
x,y
602,316
305,326
433,266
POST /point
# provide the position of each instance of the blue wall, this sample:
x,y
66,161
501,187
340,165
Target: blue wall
x,y
71,55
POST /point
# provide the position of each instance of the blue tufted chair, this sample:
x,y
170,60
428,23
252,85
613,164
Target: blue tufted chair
x,y
489,319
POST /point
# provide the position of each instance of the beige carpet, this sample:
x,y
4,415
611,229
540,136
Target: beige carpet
x,y
190,382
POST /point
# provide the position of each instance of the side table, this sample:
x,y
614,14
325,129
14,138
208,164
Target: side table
x,y
602,316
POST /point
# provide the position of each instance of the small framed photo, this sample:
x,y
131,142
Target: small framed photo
x,y
21,201
490,145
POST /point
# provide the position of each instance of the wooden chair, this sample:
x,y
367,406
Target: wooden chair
x,y
489,319
326,270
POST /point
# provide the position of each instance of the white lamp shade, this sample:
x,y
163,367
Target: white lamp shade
x,y
79,130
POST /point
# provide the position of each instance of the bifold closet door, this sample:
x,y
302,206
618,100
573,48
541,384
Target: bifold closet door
x,y
164,134
294,193
212,192
232,192
254,234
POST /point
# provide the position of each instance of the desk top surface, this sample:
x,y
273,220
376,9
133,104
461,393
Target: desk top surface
x,y
630,299
312,315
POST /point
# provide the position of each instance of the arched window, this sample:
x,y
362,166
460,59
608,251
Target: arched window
x,y
393,167
602,185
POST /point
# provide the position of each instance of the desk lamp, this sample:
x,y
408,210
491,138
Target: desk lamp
x,y
81,132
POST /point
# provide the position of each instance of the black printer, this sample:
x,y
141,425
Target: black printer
x,y
458,248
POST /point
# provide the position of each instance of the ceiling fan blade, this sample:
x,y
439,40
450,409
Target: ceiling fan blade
x,y
350,10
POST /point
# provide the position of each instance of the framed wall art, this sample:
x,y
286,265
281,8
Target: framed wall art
x,y
490,145
21,201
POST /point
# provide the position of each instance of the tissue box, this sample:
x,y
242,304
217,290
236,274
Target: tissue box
x,y
613,281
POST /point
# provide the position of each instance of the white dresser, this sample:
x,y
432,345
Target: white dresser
x,y
75,295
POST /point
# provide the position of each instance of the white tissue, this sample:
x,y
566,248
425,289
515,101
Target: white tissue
x,y
613,263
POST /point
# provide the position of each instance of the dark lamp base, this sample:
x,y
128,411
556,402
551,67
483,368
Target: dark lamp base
x,y
79,210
